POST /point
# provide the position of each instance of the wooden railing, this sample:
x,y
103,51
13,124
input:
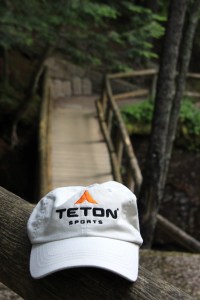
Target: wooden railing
x,y
124,163
45,175
152,74
139,92
123,160
194,95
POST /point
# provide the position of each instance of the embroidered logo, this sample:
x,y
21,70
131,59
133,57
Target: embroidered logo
x,y
86,197
86,214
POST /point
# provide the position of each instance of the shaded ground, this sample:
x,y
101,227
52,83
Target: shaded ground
x,y
7,294
18,168
180,269
181,203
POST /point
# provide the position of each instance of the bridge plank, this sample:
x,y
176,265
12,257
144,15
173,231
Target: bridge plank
x,y
79,153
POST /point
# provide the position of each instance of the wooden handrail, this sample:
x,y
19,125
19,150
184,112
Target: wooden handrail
x,y
146,72
45,176
135,172
137,93
121,149
144,92
111,120
124,162
178,235
137,73
193,75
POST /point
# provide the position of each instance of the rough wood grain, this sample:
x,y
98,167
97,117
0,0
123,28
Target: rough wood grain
x,y
138,93
136,73
44,138
79,153
114,161
85,283
178,235
132,160
182,268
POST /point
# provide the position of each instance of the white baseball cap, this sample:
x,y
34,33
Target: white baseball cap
x,y
93,226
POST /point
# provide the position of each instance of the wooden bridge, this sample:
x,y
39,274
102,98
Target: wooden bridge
x,y
78,144
83,139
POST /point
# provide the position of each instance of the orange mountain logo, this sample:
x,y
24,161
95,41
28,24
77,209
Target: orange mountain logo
x,y
86,197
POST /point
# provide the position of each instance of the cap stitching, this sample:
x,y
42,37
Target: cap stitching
x,y
41,217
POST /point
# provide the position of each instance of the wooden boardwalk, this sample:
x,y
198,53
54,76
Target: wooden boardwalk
x,y
78,152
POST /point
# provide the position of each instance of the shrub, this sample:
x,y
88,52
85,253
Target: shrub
x,y
138,119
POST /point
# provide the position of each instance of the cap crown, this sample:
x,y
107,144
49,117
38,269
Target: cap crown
x,y
101,210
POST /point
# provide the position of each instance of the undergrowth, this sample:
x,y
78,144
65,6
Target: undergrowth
x,y
138,118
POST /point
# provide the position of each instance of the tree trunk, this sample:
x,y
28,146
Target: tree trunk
x,y
152,188
31,90
74,284
184,60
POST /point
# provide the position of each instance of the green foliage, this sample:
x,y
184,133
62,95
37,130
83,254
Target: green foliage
x,y
137,34
138,118
106,32
141,111
190,117
189,126
98,11
22,23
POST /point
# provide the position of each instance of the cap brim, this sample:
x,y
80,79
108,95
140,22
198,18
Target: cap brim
x,y
114,255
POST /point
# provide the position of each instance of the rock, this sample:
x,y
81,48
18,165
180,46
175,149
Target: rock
x,y
57,88
7,294
180,269
86,86
77,86
67,87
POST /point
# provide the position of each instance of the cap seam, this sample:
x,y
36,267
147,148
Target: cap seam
x,y
41,217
